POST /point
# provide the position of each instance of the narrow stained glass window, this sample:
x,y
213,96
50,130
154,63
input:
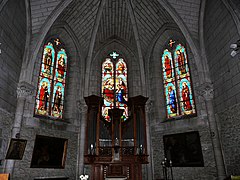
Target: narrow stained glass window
x,y
114,85
177,82
52,80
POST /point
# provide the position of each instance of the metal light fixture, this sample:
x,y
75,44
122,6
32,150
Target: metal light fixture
x,y
235,48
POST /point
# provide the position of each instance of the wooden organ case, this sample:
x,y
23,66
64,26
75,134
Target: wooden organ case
x,y
116,149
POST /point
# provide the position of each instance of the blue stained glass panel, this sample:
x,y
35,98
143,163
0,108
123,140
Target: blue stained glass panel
x,y
171,99
121,87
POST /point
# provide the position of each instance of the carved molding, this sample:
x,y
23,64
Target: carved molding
x,y
24,89
149,106
206,91
82,107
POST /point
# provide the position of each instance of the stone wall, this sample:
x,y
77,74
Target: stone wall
x,y
22,167
160,126
12,39
230,125
220,31
67,129
6,120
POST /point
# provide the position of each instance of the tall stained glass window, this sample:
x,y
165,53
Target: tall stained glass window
x,y
52,80
177,81
114,85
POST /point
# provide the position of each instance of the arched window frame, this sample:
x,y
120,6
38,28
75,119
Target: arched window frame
x,y
55,80
181,84
115,59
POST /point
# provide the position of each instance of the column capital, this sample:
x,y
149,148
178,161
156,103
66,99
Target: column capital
x,y
206,91
82,107
24,89
149,106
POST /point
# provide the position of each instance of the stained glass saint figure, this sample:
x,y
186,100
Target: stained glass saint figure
x,y
114,85
177,82
52,79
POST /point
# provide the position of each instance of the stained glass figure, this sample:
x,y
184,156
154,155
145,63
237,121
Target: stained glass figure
x,y
58,97
114,85
48,61
177,82
52,77
168,71
107,87
171,99
180,57
121,87
61,66
43,96
186,97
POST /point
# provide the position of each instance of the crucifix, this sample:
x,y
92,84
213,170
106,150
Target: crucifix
x,y
171,42
57,42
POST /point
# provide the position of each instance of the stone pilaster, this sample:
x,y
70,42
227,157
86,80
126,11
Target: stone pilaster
x,y
82,108
23,91
207,92
148,109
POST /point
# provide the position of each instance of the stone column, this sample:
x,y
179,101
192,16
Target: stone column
x,y
23,91
81,137
206,91
148,134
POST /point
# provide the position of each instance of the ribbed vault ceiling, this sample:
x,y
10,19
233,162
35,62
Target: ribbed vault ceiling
x,y
117,21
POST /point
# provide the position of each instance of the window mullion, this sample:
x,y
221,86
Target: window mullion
x,y
176,83
53,76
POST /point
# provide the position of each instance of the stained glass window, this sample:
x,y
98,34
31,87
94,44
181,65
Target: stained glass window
x,y
52,80
177,81
114,85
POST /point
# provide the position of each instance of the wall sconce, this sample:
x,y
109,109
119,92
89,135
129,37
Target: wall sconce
x,y
235,48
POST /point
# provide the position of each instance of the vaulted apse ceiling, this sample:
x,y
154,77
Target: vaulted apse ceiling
x,y
118,20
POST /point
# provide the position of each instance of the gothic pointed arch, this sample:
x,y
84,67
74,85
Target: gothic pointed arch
x,y
178,89
52,80
114,85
